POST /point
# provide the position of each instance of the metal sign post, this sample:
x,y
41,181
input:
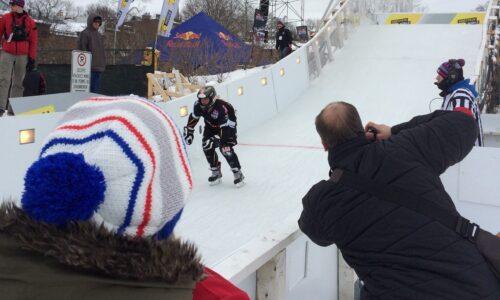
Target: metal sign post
x,y
81,63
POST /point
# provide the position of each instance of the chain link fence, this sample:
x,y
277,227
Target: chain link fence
x,y
125,71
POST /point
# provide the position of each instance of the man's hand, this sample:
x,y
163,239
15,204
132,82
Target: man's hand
x,y
379,132
188,135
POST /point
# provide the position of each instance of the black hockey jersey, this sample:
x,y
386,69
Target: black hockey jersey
x,y
220,117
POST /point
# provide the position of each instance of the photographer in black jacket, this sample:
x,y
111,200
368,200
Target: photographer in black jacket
x,y
397,252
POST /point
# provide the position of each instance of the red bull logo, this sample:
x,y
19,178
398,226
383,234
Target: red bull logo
x,y
227,40
188,36
225,37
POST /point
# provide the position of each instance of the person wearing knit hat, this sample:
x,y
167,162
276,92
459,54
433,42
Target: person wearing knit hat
x,y
19,3
458,93
284,40
99,207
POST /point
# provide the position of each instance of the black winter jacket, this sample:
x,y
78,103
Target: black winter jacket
x,y
284,39
398,253
91,40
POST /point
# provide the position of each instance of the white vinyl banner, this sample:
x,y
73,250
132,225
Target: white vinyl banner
x,y
168,12
123,8
81,63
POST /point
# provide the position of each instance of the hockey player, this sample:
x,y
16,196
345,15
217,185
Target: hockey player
x,y
220,132
458,93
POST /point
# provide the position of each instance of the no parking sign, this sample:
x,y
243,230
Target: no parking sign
x,y
81,62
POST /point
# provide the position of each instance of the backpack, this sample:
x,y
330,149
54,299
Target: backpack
x,y
18,33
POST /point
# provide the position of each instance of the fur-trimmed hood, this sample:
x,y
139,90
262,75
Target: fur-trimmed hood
x,y
83,246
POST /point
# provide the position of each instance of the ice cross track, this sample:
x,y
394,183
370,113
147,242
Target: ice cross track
x,y
387,72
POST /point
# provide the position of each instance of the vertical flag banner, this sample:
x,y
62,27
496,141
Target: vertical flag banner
x,y
168,13
123,8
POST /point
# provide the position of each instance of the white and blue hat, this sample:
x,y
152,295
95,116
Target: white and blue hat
x,y
118,162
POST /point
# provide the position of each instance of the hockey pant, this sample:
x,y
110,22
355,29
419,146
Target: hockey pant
x,y
210,144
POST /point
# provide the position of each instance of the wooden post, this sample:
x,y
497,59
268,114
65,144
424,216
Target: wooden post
x,y
150,85
271,279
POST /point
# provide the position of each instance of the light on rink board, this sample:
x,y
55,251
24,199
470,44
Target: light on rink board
x,y
240,91
263,81
183,111
26,136
298,60
282,72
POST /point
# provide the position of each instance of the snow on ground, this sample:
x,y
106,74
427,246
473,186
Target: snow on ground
x,y
226,77
69,28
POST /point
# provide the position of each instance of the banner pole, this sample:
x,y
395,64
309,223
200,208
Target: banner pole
x,y
114,49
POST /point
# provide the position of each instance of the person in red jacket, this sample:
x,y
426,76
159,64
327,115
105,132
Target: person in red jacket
x,y
19,38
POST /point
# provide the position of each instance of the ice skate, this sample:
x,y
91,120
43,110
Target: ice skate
x,y
239,179
216,177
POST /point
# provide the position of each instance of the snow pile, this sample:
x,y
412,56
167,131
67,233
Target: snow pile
x,y
225,77
68,28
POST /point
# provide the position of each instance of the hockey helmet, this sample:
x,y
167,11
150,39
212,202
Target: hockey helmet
x,y
207,92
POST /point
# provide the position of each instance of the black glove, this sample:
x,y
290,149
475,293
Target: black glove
x,y
188,135
30,66
229,142
210,143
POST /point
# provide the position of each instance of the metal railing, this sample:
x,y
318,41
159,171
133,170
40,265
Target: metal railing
x,y
487,65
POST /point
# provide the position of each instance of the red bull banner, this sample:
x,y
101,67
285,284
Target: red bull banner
x,y
168,12
259,21
303,33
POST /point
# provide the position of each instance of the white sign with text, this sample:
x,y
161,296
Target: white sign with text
x,y
81,63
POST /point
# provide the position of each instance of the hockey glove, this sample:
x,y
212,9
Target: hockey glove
x,y
210,143
188,135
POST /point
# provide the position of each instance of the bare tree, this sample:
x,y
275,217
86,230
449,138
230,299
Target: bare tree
x,y
482,7
52,11
229,13
103,10
75,13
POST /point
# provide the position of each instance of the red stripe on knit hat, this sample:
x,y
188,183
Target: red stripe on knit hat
x,y
147,206
172,128
442,73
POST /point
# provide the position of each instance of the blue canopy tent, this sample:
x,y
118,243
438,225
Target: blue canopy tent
x,y
202,43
